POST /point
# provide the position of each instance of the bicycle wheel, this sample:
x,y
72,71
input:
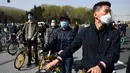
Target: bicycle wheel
x,y
122,40
12,48
42,63
19,60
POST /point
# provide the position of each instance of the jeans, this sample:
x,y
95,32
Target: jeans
x,y
66,65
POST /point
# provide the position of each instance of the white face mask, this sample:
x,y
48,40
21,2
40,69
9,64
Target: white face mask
x,y
106,19
52,24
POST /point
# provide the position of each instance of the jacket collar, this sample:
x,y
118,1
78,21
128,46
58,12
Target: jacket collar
x,y
66,29
103,30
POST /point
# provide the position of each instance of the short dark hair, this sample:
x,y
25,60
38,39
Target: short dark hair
x,y
54,19
30,13
118,21
65,16
99,4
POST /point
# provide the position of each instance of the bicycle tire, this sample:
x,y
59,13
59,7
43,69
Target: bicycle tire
x,y
42,63
21,58
13,49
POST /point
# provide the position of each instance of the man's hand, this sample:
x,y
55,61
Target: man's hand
x,y
95,69
51,64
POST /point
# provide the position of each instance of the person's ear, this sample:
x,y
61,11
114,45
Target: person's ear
x,y
95,15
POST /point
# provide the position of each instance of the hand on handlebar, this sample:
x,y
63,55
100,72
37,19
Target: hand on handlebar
x,y
51,64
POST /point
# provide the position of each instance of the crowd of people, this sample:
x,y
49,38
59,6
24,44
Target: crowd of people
x,y
100,41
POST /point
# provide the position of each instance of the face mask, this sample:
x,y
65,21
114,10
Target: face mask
x,y
106,19
52,24
30,17
64,24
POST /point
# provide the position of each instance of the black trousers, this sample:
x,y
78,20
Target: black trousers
x,y
128,66
30,44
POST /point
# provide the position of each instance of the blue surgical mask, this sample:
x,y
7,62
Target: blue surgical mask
x,y
30,17
64,24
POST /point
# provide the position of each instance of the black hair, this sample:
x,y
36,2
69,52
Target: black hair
x,y
30,13
118,21
54,19
65,16
99,4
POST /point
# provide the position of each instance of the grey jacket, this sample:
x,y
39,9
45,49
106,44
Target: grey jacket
x,y
49,33
34,30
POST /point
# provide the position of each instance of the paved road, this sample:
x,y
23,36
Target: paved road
x,y
7,61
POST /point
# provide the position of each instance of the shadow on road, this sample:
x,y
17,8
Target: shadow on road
x,y
127,37
75,57
120,66
126,41
77,65
2,52
124,49
25,68
6,62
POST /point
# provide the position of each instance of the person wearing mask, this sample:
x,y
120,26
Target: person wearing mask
x,y
61,39
100,43
29,31
13,32
50,31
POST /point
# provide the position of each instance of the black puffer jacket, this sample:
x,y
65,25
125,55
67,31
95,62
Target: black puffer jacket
x,y
61,39
98,46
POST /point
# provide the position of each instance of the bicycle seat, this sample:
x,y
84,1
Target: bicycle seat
x,y
77,65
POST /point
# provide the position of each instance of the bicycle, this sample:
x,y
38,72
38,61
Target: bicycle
x,y
20,58
12,48
47,59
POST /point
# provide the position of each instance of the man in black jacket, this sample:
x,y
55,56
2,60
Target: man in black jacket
x,y
60,39
51,31
128,66
101,43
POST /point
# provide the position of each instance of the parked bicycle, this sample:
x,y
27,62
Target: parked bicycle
x,y
13,46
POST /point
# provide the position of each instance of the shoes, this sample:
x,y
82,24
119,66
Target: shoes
x,y
36,63
29,64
